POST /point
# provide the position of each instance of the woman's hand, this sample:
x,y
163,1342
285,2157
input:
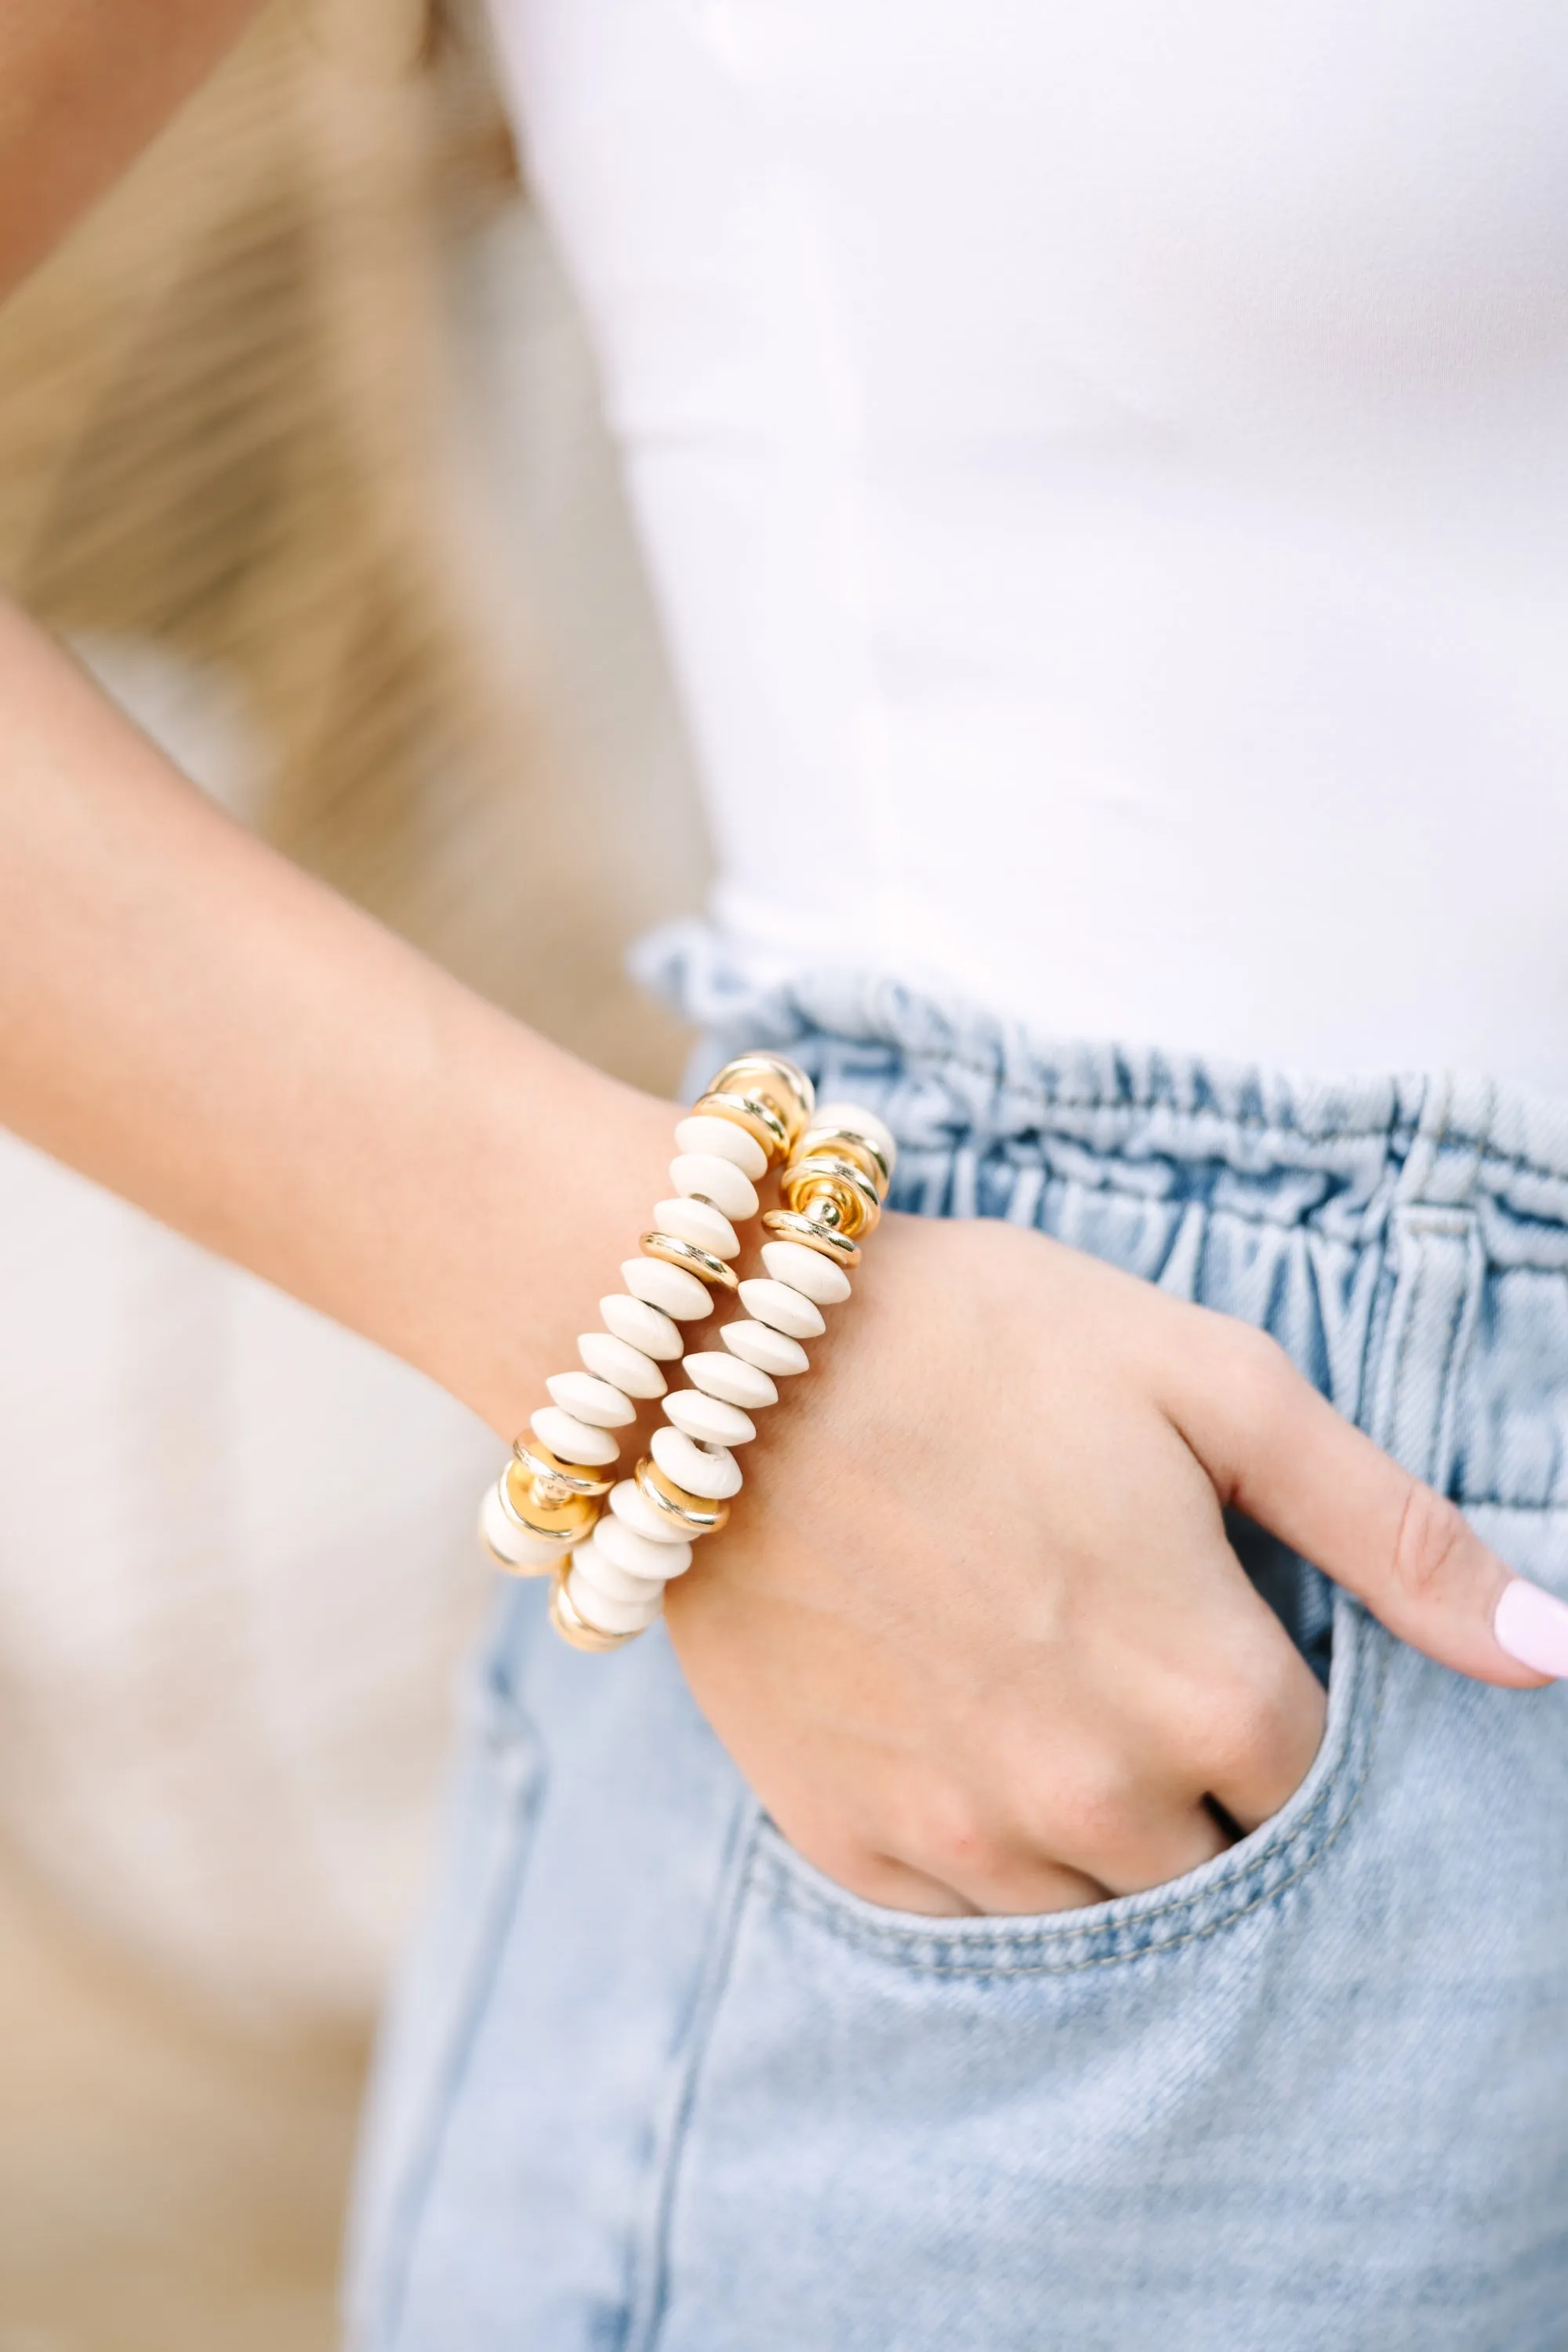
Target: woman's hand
x,y
975,1636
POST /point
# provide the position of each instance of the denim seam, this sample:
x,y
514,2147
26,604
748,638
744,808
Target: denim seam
x,y
1467,1313
1502,1502
893,1943
1432,1147
1241,1214
1309,1221
1236,1211
464,2025
1397,1380
648,2308
1239,1122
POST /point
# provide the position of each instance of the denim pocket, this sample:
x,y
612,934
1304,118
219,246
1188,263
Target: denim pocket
x,y
445,1983
1201,1904
884,2097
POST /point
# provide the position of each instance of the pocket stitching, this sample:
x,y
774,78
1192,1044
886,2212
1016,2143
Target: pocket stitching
x,y
903,1943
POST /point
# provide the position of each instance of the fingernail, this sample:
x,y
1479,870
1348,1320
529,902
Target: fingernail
x,y
1532,1626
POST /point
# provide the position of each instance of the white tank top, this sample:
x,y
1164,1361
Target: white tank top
x,y
1105,470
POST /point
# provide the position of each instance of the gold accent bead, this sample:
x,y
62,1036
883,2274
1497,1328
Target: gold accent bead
x,y
566,1522
828,1177
568,1621
554,1480
759,1119
694,1515
846,1144
771,1078
790,1226
699,1262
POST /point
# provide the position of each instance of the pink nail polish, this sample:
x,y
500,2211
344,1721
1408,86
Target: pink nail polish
x,y
1532,1625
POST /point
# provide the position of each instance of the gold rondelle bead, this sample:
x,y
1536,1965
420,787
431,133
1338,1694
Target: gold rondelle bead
x,y
699,1262
790,1226
549,1472
761,1070
573,1627
831,1202
694,1515
838,1168
517,1499
837,1204
759,1119
828,1175
848,1144
772,1078
567,1521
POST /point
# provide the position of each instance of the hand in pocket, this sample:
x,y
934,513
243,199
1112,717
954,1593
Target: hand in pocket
x,y
977,1639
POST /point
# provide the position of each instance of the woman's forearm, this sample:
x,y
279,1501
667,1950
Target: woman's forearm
x,y
198,1025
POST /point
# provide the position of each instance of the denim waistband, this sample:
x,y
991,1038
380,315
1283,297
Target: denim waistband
x,y
986,1112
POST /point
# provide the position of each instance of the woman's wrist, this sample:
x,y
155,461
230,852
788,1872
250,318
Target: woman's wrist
x,y
562,1195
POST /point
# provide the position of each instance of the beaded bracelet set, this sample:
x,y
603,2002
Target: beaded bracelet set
x,y
545,1512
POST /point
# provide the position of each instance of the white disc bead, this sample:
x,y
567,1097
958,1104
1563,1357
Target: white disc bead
x,y
859,1122
703,1175
641,1326
655,1560
612,1359
699,1222
708,1418
598,1570
806,1270
669,1287
499,1532
632,1510
606,1616
783,1310
598,1402
715,1476
738,1382
725,1140
770,1350
570,1439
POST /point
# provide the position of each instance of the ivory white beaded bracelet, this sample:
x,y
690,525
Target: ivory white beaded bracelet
x,y
544,1512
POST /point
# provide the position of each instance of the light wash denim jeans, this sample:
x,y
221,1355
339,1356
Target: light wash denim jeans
x,y
655,2084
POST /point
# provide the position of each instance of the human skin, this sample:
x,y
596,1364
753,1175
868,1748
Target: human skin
x,y
975,1636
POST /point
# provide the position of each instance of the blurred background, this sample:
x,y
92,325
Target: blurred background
x,y
299,448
